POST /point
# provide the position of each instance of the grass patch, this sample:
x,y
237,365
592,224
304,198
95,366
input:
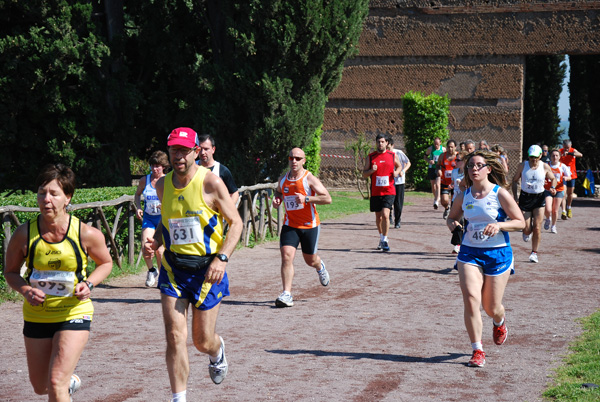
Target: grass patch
x,y
581,366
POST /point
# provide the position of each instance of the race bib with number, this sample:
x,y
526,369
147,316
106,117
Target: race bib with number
x,y
55,283
185,230
533,186
448,174
382,181
475,232
291,203
153,207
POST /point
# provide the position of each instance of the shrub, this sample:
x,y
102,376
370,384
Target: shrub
x,y
425,117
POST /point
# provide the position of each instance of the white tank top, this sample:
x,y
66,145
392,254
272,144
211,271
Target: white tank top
x,y
151,201
478,214
532,180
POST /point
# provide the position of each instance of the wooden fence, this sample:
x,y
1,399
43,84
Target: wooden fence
x,y
255,206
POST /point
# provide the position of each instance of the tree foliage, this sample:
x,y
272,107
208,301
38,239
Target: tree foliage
x,y
544,76
584,116
91,83
425,117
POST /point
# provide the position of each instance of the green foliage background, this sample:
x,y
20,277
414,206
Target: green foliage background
x,y
425,117
89,85
543,85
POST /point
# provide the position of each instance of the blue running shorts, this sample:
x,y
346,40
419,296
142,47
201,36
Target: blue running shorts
x,y
494,261
183,284
150,221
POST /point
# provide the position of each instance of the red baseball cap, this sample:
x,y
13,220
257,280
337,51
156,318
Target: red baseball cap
x,y
184,136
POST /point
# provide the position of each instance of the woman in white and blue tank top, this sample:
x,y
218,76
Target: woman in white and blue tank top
x,y
150,214
485,260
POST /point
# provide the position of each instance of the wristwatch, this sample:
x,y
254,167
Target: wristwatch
x,y
90,285
222,257
306,199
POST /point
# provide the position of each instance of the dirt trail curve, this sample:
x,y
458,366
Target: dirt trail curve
x,y
389,327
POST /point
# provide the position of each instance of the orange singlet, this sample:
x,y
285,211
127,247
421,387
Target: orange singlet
x,y
447,166
297,215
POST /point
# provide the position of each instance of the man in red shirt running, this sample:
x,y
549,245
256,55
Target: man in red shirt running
x,y
382,166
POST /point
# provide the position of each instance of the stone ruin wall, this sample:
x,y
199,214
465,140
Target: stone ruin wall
x,y
474,51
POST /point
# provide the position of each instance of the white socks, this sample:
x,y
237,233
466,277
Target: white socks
x,y
179,397
477,346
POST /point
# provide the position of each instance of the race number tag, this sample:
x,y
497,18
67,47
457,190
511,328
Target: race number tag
x,y
476,233
185,230
447,174
533,186
382,181
55,283
291,203
153,207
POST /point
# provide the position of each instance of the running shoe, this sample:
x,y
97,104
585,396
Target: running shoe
x,y
526,237
218,370
569,213
456,249
546,224
151,277
533,257
478,359
500,333
397,225
75,384
553,229
435,205
379,245
323,275
385,246
446,212
563,216
284,300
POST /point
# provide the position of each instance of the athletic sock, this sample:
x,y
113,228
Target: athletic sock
x,y
217,358
477,346
381,237
179,397
385,238
499,324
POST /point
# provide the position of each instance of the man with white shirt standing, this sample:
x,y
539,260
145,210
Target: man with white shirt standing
x,y
399,182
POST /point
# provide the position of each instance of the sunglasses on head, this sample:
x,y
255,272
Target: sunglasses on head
x,y
295,158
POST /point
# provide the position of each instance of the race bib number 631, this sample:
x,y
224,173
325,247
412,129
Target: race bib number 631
x,y
185,230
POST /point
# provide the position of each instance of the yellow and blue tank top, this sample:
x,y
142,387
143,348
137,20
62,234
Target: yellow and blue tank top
x,y
190,226
56,268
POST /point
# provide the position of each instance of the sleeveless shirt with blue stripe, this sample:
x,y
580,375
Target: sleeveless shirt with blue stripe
x,y
479,213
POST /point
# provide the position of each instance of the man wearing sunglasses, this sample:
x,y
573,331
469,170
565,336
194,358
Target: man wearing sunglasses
x,y
382,166
533,173
299,191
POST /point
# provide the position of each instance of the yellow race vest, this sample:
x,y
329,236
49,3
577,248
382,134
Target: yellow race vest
x,y
56,268
190,226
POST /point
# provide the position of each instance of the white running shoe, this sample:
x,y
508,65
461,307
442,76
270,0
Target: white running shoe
x,y
446,213
553,229
546,224
323,275
456,249
75,384
526,237
379,245
284,300
218,370
151,277
533,257
435,205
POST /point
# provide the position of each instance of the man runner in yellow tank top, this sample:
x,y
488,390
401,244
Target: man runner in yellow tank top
x,y
194,202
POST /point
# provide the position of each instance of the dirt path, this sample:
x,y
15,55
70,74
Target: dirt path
x,y
389,327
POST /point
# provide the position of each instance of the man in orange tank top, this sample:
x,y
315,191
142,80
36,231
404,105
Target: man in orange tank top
x,y
299,191
382,166
567,156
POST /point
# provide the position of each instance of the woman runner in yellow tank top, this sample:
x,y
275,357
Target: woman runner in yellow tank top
x,y
57,311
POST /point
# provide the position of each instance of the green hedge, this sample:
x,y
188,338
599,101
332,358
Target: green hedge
x,y
81,196
425,117
313,153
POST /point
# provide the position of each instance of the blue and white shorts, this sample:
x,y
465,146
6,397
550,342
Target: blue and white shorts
x,y
494,261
